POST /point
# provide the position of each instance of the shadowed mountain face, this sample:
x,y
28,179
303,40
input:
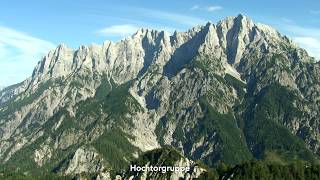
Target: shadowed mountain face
x,y
229,92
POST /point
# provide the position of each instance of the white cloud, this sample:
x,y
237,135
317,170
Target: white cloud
x,y
302,31
306,37
315,12
23,42
287,20
169,16
311,44
213,8
19,53
118,30
195,7
206,8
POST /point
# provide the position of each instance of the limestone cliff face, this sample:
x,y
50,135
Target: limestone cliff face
x,y
202,91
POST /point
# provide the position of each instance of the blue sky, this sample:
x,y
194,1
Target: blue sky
x,y
29,29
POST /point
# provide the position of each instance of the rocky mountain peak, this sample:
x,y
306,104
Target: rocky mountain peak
x,y
56,63
227,41
142,32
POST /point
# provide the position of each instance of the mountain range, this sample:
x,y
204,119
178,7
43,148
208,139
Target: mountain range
x,y
229,93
